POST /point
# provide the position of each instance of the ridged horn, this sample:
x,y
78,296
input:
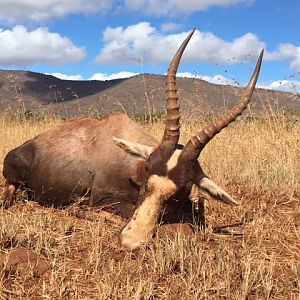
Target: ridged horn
x,y
195,145
172,128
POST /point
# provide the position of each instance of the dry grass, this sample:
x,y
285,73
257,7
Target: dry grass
x,y
248,252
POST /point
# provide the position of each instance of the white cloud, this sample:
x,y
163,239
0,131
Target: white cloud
x,y
287,52
220,79
178,7
170,27
119,75
124,45
292,86
96,76
217,79
20,47
65,76
15,11
188,75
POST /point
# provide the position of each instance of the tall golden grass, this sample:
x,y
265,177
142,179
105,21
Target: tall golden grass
x,y
248,252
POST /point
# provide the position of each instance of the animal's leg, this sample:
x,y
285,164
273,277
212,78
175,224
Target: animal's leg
x,y
8,195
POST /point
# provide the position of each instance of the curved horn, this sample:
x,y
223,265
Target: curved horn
x,y
171,133
195,145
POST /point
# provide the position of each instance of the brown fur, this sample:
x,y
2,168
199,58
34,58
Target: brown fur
x,y
78,158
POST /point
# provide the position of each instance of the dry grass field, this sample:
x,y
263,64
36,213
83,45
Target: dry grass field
x,y
247,252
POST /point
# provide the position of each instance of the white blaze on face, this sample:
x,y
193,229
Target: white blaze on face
x,y
144,220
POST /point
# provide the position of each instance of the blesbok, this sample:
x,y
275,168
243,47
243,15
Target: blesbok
x,y
113,163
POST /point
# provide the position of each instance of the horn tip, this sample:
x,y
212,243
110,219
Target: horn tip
x,y
192,32
261,53
259,61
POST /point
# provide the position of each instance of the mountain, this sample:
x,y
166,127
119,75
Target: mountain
x,y
143,94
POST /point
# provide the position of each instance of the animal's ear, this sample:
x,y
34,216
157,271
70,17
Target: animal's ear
x,y
210,189
139,150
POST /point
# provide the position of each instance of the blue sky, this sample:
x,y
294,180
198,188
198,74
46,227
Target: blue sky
x,y
105,39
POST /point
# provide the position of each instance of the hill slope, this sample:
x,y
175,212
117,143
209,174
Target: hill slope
x,y
29,91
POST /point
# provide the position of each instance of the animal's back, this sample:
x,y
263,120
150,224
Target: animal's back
x,y
77,156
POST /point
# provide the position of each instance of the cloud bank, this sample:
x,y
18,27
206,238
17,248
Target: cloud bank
x,y
15,11
20,47
119,75
177,7
125,45
96,76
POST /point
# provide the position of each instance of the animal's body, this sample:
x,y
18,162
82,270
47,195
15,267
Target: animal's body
x,y
80,158
112,161
67,163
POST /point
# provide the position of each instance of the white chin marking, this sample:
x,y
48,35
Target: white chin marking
x,y
144,220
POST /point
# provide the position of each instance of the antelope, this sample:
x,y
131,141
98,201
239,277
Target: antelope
x,y
112,162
